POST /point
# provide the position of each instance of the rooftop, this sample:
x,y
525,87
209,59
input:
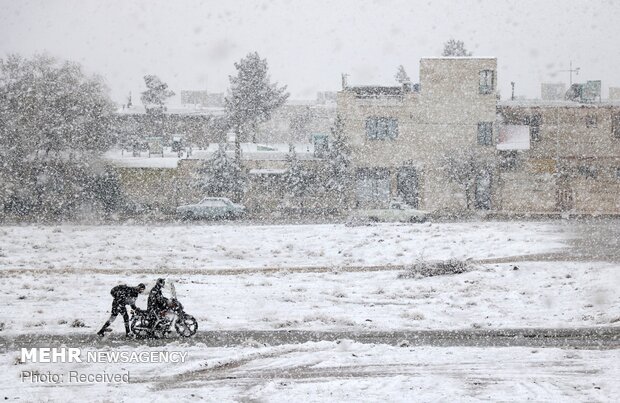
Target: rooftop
x,y
556,103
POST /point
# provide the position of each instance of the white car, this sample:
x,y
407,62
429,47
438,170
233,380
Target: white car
x,y
397,212
211,207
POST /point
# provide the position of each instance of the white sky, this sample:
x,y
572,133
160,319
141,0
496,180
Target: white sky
x,y
193,44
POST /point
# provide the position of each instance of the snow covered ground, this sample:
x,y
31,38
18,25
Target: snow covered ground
x,y
208,247
539,294
332,371
323,278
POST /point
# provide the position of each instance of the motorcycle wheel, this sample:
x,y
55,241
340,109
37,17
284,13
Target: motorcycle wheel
x,y
186,326
140,326
160,332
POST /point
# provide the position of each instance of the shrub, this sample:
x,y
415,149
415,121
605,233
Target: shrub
x,y
429,269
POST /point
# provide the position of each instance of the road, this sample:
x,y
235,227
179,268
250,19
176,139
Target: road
x,y
582,338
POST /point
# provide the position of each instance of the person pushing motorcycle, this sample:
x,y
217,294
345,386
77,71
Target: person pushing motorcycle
x,y
123,295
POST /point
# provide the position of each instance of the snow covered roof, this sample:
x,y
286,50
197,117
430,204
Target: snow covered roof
x,y
267,171
556,103
175,110
459,57
170,159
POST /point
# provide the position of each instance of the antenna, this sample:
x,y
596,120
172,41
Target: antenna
x,y
571,70
344,81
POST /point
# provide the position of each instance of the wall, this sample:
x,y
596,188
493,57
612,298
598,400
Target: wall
x,y
439,120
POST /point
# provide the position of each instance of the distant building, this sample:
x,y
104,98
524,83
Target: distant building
x,y
550,156
446,145
614,93
552,91
203,98
326,97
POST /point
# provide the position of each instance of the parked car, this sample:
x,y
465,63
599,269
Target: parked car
x,y
396,212
211,207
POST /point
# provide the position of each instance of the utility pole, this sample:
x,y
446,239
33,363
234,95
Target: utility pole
x,y
512,83
571,70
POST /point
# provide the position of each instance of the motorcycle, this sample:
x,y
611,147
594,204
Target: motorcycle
x,y
149,325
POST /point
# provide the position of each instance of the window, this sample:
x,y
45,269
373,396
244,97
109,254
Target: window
x,y
587,171
618,173
615,125
213,203
508,160
373,187
485,133
534,121
486,81
591,121
381,128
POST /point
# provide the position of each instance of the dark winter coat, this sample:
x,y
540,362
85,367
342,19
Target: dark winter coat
x,y
156,301
125,295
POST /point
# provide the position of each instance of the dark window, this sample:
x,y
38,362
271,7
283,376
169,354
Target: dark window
x,y
618,173
534,121
615,125
508,160
587,171
591,121
381,128
486,81
485,133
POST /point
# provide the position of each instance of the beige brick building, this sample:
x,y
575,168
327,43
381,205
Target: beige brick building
x,y
572,163
446,145
400,137
567,158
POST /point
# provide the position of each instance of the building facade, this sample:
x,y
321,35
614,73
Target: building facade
x,y
449,145
403,139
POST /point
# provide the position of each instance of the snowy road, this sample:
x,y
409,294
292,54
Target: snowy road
x,y
596,338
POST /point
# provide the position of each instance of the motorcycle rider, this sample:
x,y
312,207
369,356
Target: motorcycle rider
x,y
156,302
123,295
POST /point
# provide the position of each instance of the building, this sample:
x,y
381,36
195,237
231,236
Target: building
x,y
552,91
450,145
203,98
403,137
446,145
572,161
297,121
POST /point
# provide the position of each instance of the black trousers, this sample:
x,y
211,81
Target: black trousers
x,y
117,307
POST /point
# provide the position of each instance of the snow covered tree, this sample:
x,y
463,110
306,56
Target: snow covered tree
x,y
154,100
401,75
251,98
455,48
156,93
468,168
220,175
294,178
338,160
54,123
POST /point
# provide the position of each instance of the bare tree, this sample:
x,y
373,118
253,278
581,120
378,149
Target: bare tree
x,y
401,75
455,48
469,169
